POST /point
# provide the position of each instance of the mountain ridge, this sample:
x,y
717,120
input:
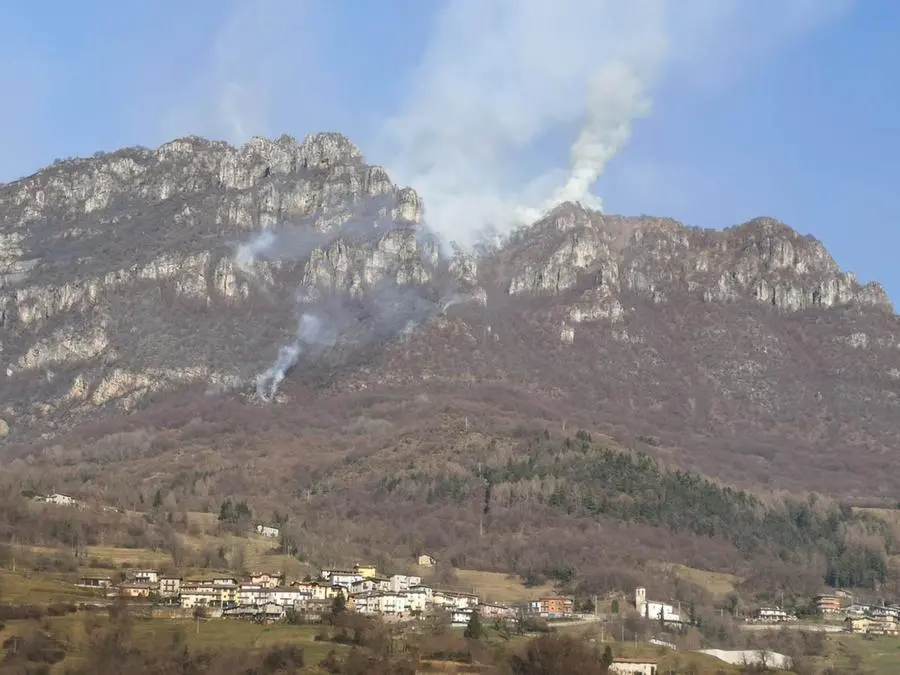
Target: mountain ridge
x,y
120,281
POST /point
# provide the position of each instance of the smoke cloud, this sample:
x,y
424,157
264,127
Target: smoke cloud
x,y
504,84
311,331
330,316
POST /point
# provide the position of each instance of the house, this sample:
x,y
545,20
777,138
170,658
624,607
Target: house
x,y
210,593
224,581
403,582
344,578
633,667
264,614
552,606
197,595
653,610
886,625
425,560
365,571
252,595
60,500
169,587
460,617
454,600
828,604
859,610
381,602
857,624
95,582
417,599
372,584
266,580
144,576
773,615
493,611
885,612
268,531
136,589
320,590
285,596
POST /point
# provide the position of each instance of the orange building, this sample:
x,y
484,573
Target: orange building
x,y
553,605
828,604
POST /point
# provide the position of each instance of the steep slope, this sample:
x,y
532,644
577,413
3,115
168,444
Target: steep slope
x,y
745,354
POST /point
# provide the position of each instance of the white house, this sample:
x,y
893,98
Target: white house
x,y
252,595
145,576
633,667
169,587
460,616
268,531
60,499
403,582
381,602
454,600
288,597
773,614
494,610
196,595
345,578
418,598
372,584
653,610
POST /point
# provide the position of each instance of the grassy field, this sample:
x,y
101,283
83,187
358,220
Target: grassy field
x,y
211,635
501,587
718,584
878,655
22,588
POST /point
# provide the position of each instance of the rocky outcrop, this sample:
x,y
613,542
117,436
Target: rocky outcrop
x,y
762,260
104,259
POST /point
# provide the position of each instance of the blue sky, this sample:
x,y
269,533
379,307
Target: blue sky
x,y
788,108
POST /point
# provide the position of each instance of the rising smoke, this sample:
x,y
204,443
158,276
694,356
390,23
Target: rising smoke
x,y
311,331
504,83
501,76
333,317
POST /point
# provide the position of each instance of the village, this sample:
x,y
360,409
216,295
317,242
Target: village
x,y
265,596
269,597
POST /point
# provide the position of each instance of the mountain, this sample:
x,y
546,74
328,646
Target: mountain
x,y
274,323
746,353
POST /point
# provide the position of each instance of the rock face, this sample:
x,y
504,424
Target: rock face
x,y
119,279
118,276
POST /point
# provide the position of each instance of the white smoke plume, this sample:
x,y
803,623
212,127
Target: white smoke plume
x,y
311,330
501,76
330,317
504,82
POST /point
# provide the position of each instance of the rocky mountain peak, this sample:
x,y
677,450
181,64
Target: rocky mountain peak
x,y
149,270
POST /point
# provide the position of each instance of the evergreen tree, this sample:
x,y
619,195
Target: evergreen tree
x,y
474,630
615,606
157,499
338,606
607,658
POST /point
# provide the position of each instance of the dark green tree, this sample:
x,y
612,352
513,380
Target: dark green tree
x,y
607,657
474,629
338,608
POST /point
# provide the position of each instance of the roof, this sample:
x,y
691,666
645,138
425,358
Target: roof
x,y
636,661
